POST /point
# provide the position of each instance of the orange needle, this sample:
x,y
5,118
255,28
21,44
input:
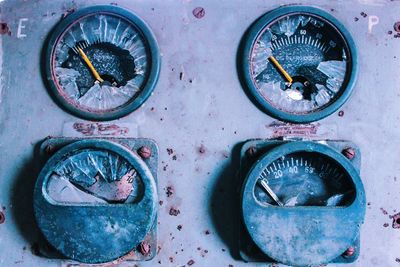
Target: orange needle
x,y
90,65
281,69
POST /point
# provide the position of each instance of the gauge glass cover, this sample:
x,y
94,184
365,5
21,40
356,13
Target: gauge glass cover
x,y
94,176
299,63
103,62
305,179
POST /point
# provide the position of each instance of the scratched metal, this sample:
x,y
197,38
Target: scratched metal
x,y
199,112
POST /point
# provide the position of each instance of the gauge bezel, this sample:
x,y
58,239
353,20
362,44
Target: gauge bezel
x,y
151,77
244,65
45,207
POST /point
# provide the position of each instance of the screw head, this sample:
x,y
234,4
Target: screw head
x,y
349,252
349,153
144,152
199,12
251,151
144,248
49,149
396,26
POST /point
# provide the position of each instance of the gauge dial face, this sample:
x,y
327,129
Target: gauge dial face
x,y
94,176
299,63
304,179
103,62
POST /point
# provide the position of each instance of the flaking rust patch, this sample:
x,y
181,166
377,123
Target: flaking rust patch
x,y
396,221
4,29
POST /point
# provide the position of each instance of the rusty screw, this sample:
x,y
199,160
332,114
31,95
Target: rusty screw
x,y
349,252
349,153
396,26
144,152
2,217
251,151
199,12
49,149
145,248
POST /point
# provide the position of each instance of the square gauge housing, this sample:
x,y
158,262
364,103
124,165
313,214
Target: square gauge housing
x,y
147,249
251,152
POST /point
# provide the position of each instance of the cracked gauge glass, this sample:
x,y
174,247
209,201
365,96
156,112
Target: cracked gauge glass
x,y
94,176
304,179
300,63
103,62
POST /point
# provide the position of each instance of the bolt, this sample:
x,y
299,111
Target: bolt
x,y
396,26
144,152
251,151
49,149
199,12
349,252
349,152
145,248
2,217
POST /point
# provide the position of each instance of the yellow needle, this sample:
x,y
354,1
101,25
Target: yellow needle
x,y
94,71
281,70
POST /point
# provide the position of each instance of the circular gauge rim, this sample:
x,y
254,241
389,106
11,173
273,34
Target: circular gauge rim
x,y
358,206
151,78
248,42
139,165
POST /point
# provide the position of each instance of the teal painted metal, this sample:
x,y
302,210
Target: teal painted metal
x,y
151,77
95,232
302,235
248,42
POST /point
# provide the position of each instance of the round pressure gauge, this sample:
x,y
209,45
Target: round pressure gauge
x,y
102,62
303,204
298,63
95,201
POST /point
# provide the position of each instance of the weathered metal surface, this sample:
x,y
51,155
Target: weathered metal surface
x,y
197,115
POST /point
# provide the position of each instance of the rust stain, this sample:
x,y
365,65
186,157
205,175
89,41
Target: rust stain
x,y
396,221
384,211
174,212
202,149
169,191
4,29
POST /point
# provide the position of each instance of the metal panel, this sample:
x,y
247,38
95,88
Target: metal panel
x,y
198,115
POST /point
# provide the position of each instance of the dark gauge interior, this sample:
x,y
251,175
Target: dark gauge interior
x,y
299,63
94,176
114,65
304,179
100,62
